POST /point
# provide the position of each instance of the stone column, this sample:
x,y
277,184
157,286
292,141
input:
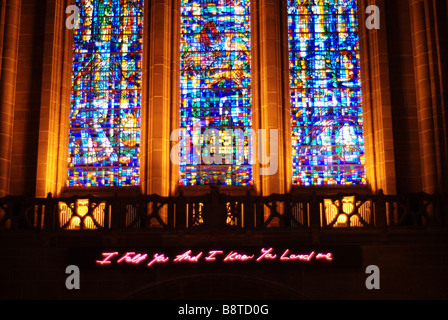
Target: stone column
x,y
157,90
175,90
428,27
55,101
274,113
376,93
2,28
10,40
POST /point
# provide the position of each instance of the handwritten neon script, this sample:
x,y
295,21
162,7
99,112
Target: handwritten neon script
x,y
265,254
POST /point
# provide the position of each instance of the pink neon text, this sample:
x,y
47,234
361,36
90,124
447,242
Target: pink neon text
x,y
131,257
212,255
266,254
158,259
108,256
235,256
328,256
187,257
286,256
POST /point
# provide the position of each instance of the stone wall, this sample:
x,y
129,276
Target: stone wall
x,y
412,264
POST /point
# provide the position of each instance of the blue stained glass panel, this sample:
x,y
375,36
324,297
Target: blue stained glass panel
x,y
215,88
325,93
105,121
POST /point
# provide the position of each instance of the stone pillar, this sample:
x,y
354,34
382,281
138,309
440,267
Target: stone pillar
x,y
2,28
157,90
55,101
428,27
271,89
28,88
175,90
10,23
376,93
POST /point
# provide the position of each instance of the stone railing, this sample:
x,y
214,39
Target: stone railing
x,y
219,210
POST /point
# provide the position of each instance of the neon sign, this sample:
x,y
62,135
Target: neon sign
x,y
212,256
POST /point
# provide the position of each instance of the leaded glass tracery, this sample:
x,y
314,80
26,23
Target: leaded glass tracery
x,y
215,88
104,138
325,93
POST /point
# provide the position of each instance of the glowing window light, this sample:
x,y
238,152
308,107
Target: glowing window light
x,y
347,212
325,93
215,85
75,215
104,138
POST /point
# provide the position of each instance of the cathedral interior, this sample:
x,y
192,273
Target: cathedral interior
x,y
223,149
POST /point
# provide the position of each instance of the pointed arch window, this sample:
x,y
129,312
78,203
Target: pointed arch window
x,y
325,93
215,92
104,138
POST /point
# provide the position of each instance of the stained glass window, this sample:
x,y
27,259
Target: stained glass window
x,y
104,139
215,88
325,93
